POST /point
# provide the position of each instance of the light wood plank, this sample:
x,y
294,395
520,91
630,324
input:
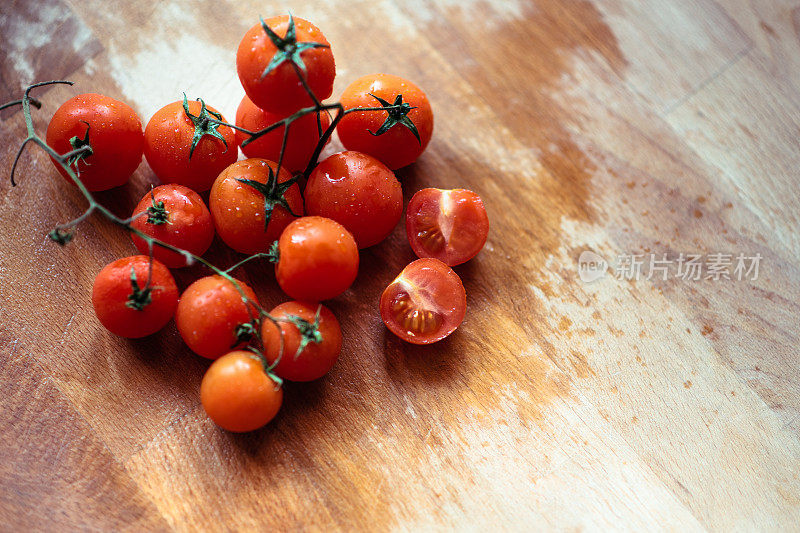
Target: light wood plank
x,y
631,405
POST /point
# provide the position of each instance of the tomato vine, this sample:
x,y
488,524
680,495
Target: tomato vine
x,y
206,123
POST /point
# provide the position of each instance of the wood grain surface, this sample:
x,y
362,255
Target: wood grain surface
x,y
617,126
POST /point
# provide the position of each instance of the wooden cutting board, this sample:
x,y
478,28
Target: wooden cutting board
x,y
607,126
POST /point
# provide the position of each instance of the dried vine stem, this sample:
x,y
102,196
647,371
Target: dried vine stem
x,y
63,233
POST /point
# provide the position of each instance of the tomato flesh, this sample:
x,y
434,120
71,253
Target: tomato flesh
x,y
412,318
425,303
448,225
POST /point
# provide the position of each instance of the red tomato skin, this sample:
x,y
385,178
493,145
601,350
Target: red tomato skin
x,y
189,226
238,395
208,313
168,140
316,359
318,259
281,91
111,289
300,143
435,283
397,147
449,225
238,209
115,135
357,191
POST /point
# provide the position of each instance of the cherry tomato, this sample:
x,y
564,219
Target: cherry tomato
x,y
357,191
177,216
124,302
449,225
267,71
239,208
300,143
398,145
322,340
212,318
425,303
318,259
187,149
238,395
112,130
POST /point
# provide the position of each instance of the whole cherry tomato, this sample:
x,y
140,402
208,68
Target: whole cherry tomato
x,y
126,304
110,128
245,196
175,215
238,395
449,225
396,137
317,259
273,54
182,146
425,303
212,317
300,143
357,191
311,341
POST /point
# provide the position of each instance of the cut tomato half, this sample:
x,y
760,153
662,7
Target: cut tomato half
x,y
425,303
448,225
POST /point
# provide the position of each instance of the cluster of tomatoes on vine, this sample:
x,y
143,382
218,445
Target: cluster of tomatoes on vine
x,y
351,200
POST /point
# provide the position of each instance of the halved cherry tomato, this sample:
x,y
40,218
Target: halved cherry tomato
x,y
124,302
267,71
212,317
238,395
357,191
185,148
178,216
449,225
300,143
321,341
425,303
395,137
318,259
242,196
110,127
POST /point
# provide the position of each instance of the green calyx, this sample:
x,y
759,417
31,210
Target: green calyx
x,y
60,236
244,333
274,253
258,356
397,113
309,331
77,143
288,47
157,214
273,192
203,125
139,298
